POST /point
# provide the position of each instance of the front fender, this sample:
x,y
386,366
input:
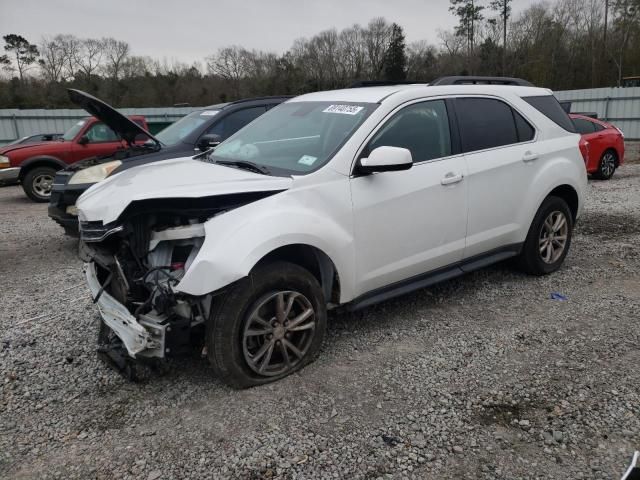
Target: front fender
x,y
236,241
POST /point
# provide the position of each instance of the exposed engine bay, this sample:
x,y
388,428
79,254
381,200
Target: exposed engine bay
x,y
133,266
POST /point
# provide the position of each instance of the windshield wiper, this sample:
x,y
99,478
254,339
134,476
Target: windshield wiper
x,y
247,165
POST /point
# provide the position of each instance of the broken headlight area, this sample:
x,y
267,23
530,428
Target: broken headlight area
x,y
132,272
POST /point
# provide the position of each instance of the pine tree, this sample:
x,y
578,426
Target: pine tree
x,y
395,62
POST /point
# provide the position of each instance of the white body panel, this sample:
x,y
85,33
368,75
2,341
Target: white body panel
x,y
408,223
377,229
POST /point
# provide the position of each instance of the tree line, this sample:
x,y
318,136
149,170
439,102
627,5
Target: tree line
x,y
567,44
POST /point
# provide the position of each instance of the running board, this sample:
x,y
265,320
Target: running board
x,y
431,278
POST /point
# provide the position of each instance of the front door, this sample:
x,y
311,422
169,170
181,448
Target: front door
x,y
413,221
101,141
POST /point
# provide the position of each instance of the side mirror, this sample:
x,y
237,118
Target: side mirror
x,y
208,141
386,159
83,140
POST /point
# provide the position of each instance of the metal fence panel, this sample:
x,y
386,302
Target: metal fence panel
x,y
620,106
15,123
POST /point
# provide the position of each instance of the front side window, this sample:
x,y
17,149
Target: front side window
x,y
235,121
295,137
99,133
73,131
485,123
175,132
422,128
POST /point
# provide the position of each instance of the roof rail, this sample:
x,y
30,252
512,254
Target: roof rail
x,y
382,83
253,99
465,80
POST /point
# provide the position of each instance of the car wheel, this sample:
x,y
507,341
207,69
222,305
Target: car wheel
x,y
267,326
607,166
549,238
37,183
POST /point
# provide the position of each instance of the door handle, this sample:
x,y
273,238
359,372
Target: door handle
x,y
529,157
451,178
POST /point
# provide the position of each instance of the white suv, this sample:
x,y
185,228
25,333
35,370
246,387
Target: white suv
x,y
336,198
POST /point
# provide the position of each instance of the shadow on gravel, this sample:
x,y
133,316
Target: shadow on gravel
x,y
609,224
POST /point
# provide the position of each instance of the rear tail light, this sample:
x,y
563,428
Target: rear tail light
x,y
584,150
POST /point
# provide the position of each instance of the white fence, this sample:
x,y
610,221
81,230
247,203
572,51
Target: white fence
x,y
620,106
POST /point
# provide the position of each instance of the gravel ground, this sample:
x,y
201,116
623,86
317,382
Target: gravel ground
x,y
481,377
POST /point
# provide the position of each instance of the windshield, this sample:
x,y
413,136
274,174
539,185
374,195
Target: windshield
x,y
73,131
183,127
296,137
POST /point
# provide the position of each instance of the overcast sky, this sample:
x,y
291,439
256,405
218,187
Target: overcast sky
x,y
189,30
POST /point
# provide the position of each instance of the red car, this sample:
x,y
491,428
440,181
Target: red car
x,y
602,145
35,165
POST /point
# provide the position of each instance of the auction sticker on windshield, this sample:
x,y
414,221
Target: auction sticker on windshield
x,y
209,113
307,160
345,109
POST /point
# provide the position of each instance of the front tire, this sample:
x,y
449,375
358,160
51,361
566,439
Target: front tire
x,y
267,326
37,183
607,166
549,238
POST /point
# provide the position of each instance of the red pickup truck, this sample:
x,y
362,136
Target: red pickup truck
x,y
35,165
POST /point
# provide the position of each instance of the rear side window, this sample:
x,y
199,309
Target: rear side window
x,y
485,123
597,126
549,106
525,131
583,126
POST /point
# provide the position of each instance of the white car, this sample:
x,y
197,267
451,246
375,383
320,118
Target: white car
x,y
336,198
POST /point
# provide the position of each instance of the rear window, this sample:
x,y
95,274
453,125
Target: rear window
x,y
583,126
549,106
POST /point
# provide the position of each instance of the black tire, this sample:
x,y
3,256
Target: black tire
x,y
531,259
32,183
226,343
607,166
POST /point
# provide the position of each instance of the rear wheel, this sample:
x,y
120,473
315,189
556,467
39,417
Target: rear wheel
x,y
267,326
607,166
37,183
549,238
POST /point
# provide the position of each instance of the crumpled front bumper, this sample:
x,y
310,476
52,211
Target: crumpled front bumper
x,y
137,339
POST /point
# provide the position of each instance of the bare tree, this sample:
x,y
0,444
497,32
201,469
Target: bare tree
x,y
377,36
53,60
115,54
230,63
88,57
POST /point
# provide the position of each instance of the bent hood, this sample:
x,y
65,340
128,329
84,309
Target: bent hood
x,y
126,128
182,178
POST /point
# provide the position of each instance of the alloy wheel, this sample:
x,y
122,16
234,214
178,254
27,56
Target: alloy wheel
x,y
42,185
278,333
553,237
608,164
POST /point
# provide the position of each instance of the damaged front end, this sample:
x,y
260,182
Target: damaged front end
x,y
133,266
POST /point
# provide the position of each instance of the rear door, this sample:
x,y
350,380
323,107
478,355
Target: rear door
x,y
501,158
